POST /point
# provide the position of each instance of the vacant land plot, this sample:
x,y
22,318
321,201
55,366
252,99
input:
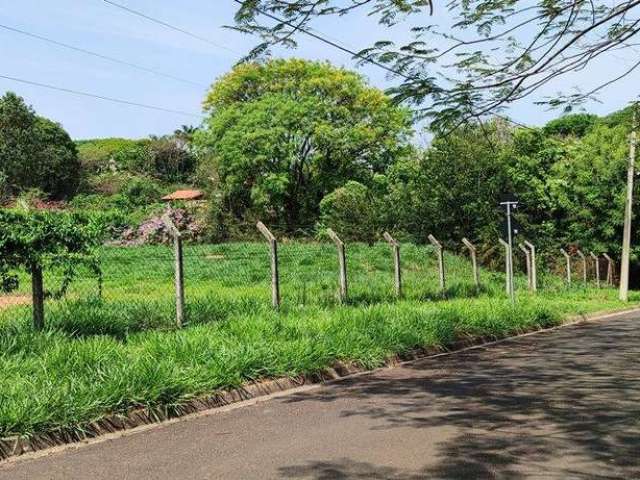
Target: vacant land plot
x,y
111,349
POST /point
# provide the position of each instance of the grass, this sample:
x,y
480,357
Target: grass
x,y
109,354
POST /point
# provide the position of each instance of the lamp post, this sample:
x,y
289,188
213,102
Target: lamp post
x,y
510,203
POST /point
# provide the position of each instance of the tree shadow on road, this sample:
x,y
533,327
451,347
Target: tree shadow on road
x,y
564,404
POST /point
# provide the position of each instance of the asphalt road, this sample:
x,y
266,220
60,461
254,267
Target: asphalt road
x,y
562,404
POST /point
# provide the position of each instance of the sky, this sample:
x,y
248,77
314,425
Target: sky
x,y
97,26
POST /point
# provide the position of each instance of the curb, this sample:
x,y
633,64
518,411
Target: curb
x,y
139,420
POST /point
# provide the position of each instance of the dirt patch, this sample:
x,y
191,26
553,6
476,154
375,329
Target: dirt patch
x,y
215,257
7,301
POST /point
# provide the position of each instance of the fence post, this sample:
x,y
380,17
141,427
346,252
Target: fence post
x,y
527,256
507,264
534,265
609,269
342,263
440,254
474,260
596,261
584,265
567,257
396,262
37,295
178,269
275,276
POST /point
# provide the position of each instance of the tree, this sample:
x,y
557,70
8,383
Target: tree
x,y
170,158
35,241
167,158
452,190
576,124
282,134
590,188
452,73
35,152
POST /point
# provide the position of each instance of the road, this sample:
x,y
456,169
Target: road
x,y
563,404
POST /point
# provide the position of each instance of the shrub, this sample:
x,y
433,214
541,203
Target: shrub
x,y
350,212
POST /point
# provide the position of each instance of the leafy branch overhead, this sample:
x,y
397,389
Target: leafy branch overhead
x,y
494,53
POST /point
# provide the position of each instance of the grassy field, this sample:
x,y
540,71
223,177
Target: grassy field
x,y
106,354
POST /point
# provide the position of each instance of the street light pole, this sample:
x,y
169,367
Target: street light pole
x,y
628,213
510,204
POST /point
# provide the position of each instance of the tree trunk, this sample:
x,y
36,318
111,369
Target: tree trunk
x,y
37,293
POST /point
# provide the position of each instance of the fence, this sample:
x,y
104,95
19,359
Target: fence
x,y
164,284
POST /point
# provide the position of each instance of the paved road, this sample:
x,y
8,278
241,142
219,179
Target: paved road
x,y
563,404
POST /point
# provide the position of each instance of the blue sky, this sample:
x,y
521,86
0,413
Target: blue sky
x,y
97,26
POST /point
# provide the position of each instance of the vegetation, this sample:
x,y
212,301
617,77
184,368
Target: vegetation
x,y
483,57
35,153
106,354
283,134
35,241
301,146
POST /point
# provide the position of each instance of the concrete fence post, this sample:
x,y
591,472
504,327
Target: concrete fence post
x,y
396,263
527,256
534,265
610,268
440,255
474,260
596,263
507,264
342,264
275,275
178,268
567,258
583,260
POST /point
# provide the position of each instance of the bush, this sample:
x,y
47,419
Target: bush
x,y
350,212
142,191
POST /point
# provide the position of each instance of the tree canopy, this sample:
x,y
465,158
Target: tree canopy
x,y
281,135
35,153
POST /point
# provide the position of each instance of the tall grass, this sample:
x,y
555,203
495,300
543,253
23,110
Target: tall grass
x,y
109,354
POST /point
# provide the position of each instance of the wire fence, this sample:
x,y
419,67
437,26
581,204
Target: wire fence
x,y
137,284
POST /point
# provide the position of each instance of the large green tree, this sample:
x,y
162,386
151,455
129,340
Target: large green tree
x,y
281,135
35,152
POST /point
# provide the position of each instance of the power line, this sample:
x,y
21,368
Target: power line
x,y
170,26
328,42
354,53
100,97
99,55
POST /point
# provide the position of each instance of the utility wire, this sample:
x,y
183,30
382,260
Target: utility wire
x,y
100,97
336,45
99,55
170,26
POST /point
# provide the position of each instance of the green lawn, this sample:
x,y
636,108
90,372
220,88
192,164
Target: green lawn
x,y
107,354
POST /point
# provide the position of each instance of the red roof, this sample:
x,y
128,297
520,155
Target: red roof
x,y
184,195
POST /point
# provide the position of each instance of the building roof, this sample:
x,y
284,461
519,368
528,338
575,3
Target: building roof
x,y
184,195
